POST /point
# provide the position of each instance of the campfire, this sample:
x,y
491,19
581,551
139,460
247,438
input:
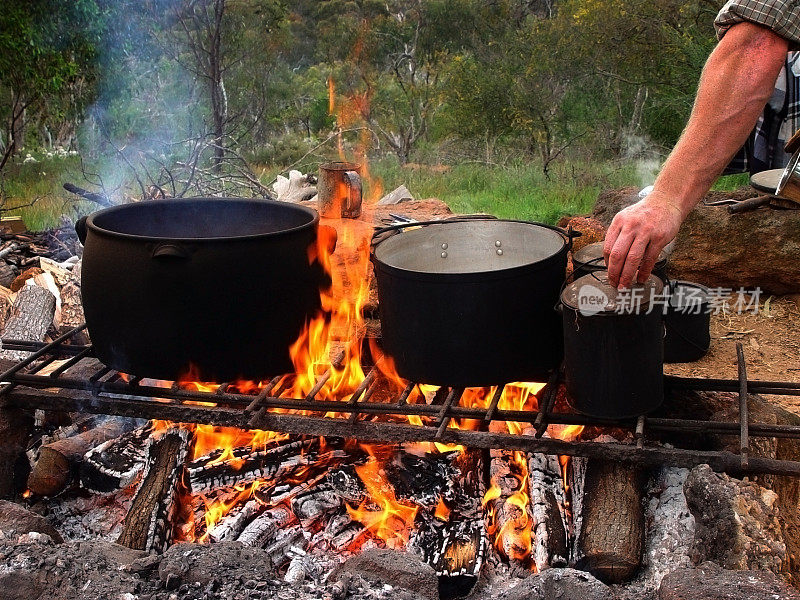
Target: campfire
x,y
344,457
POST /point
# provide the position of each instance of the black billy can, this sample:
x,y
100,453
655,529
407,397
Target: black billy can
x,y
613,346
688,321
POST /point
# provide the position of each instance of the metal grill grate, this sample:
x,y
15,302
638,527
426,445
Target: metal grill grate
x,y
105,391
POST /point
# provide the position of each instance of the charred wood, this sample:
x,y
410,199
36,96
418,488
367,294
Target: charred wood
x,y
452,548
113,464
313,505
232,524
607,503
550,532
264,528
59,462
348,536
279,548
424,480
148,524
248,465
470,485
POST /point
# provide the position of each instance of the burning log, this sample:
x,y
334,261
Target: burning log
x,y
470,485
31,316
550,531
113,464
348,536
148,524
311,506
609,518
424,480
247,465
509,508
59,462
347,484
264,528
231,525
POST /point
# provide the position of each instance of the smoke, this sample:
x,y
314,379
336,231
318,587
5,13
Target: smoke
x,y
642,153
147,105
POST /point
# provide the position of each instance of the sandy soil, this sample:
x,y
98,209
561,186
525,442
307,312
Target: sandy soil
x,y
771,342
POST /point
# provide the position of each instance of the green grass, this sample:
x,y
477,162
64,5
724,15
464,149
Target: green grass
x,y
33,191
517,191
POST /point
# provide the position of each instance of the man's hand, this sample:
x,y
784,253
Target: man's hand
x,y
637,236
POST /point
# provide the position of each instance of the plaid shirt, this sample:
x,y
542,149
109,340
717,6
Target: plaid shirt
x,y
781,116
781,16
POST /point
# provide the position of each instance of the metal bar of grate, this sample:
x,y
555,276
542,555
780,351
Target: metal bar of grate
x,y
443,420
744,442
548,401
105,392
38,354
71,362
490,413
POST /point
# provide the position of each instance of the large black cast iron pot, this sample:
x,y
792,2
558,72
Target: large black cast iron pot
x,y
223,286
470,303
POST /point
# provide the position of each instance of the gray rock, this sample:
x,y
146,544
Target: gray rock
x,y
560,584
737,523
396,196
16,520
201,563
399,569
710,582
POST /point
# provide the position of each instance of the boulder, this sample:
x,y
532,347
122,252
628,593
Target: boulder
x,y
398,569
16,520
563,584
753,249
736,522
710,582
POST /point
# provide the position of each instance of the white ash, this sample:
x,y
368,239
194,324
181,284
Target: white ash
x,y
89,518
669,534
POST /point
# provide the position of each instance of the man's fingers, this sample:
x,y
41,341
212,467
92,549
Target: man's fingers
x,y
649,261
632,261
617,256
611,237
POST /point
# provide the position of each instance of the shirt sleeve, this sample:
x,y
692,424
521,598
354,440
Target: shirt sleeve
x,y
781,16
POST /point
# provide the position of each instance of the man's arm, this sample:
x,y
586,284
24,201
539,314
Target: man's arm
x,y
737,81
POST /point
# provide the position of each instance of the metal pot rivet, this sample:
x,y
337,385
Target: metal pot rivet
x,y
499,252
444,246
498,243
444,254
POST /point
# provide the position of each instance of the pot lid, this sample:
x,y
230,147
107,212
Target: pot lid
x,y
593,254
473,246
593,294
687,295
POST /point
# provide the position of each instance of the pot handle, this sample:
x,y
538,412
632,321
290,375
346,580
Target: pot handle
x,y
163,251
80,229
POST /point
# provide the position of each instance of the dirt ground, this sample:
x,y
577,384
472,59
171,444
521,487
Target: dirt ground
x,y
771,342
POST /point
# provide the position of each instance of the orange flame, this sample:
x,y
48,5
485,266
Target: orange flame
x,y
380,512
